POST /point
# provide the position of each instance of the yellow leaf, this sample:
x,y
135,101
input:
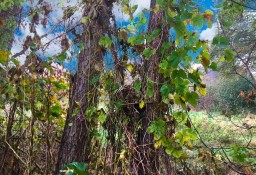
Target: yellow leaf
x,y
142,104
156,8
129,67
202,91
218,156
122,154
171,97
158,143
126,10
3,57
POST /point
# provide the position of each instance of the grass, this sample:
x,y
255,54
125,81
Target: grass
x,y
218,130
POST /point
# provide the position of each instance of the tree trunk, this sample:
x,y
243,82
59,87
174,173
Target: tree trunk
x,y
150,163
74,146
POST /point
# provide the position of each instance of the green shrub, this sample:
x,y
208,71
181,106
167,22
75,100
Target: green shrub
x,y
226,98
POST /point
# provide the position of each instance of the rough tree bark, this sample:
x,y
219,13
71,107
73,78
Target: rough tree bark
x,y
150,163
74,146
9,164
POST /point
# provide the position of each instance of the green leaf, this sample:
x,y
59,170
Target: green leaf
x,y
169,150
179,116
90,111
213,66
148,53
179,73
179,28
163,65
165,90
137,85
160,2
102,117
192,98
150,89
220,41
76,168
118,105
136,40
95,79
55,110
15,61
229,55
198,21
174,59
105,41
134,8
177,153
157,127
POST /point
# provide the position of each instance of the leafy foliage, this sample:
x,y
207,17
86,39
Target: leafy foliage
x,y
76,168
123,119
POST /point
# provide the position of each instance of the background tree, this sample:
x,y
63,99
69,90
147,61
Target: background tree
x,y
75,143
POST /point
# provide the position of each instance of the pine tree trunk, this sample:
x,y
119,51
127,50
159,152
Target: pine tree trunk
x,y
74,146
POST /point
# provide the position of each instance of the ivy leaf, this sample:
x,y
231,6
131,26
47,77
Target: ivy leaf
x,y
137,85
202,91
3,57
174,59
229,55
177,153
148,53
169,150
160,2
15,61
134,8
95,79
157,127
126,9
198,21
142,20
76,168
165,90
90,111
158,143
179,73
205,59
102,117
163,65
213,66
150,89
105,41
220,41
136,40
192,98
142,104
129,67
